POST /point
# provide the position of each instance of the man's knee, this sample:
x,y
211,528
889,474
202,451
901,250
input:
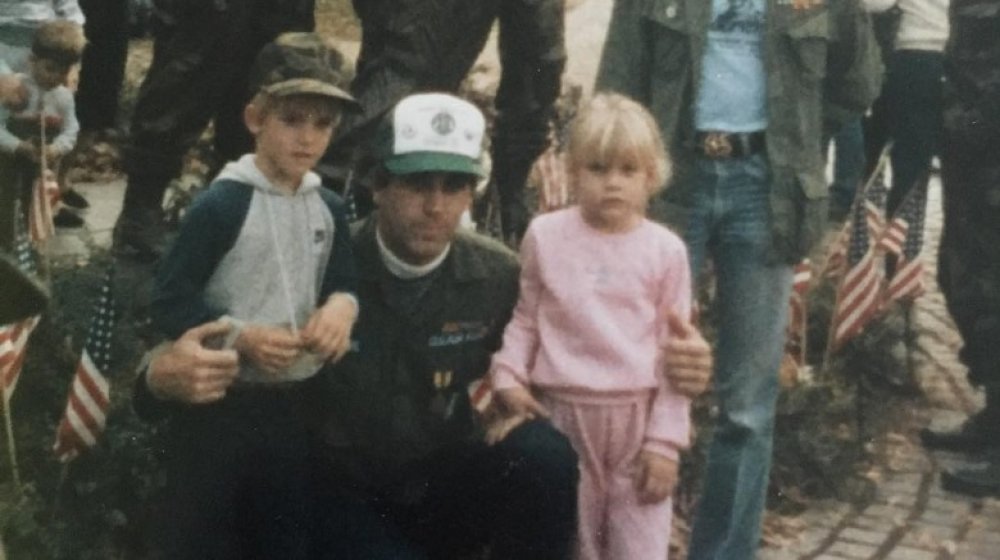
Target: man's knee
x,y
543,454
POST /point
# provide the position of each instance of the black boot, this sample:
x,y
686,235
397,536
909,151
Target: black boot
x,y
976,434
140,234
975,480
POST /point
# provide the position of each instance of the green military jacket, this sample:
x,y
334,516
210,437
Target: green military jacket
x,y
401,392
814,57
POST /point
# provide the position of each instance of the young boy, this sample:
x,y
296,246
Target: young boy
x,y
56,48
267,249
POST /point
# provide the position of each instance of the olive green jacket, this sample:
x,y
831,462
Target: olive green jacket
x,y
401,392
815,57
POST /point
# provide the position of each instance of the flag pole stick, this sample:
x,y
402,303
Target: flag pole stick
x,y
56,502
43,165
11,446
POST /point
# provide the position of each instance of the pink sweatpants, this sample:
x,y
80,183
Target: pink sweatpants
x,y
607,434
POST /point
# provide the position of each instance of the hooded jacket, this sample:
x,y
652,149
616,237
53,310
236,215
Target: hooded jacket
x,y
255,253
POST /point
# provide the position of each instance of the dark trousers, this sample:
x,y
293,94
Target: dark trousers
x,y
17,176
103,65
202,55
969,256
518,498
410,46
913,95
240,478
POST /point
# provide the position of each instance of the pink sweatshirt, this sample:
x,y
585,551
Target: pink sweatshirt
x,y
591,317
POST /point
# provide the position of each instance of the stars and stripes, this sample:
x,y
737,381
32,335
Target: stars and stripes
x,y
798,319
89,397
554,187
858,294
44,195
481,394
14,336
907,281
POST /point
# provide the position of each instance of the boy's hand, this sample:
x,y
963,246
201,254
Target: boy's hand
x,y
328,332
52,154
688,358
272,349
655,477
27,150
13,93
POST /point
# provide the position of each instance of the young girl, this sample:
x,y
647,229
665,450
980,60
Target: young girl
x,y
599,287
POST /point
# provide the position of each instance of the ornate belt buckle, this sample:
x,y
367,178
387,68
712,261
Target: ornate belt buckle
x,y
717,145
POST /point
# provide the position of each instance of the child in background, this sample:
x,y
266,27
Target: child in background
x,y
267,249
20,20
601,288
57,47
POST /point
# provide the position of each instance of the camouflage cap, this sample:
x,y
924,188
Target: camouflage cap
x,y
300,63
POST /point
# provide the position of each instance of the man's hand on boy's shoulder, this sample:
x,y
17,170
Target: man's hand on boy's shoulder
x,y
328,331
270,348
188,371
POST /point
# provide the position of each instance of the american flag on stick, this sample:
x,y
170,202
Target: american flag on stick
x,y
836,256
14,337
44,195
907,282
89,396
798,320
857,296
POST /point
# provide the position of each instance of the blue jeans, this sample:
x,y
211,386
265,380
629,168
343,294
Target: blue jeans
x,y
730,222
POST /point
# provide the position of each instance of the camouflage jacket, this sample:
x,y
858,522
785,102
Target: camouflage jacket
x,y
972,70
819,56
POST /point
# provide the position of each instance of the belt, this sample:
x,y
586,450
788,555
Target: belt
x,y
715,144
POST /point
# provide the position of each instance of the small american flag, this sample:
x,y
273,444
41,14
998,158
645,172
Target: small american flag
x,y
550,168
800,287
481,394
14,337
89,397
907,282
44,195
857,296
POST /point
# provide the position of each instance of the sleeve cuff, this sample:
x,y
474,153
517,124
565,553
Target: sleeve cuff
x,y
664,448
504,378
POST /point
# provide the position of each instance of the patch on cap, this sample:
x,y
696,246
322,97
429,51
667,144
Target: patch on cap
x,y
432,132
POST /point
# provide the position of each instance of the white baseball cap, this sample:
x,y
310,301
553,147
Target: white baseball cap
x,y
432,132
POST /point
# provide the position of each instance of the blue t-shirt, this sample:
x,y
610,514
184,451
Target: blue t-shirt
x,y
732,96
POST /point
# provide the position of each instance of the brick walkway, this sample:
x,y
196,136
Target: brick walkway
x,y
911,518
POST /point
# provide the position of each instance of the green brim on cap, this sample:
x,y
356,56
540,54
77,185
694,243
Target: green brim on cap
x,y
308,86
421,162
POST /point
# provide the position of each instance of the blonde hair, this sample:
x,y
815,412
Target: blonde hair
x,y
60,41
611,127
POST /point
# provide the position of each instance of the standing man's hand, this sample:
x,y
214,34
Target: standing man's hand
x,y
688,358
189,372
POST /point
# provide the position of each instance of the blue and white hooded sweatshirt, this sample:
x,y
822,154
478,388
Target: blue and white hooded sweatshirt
x,y
253,253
